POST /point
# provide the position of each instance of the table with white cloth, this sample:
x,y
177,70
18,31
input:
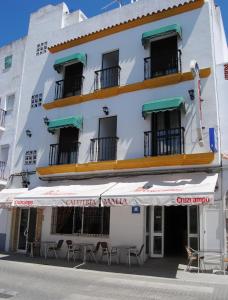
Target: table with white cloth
x,y
125,248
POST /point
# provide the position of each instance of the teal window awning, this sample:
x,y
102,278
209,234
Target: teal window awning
x,y
76,121
77,57
162,31
156,106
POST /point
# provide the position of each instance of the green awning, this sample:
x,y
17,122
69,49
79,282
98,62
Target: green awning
x,y
77,57
65,122
161,105
149,35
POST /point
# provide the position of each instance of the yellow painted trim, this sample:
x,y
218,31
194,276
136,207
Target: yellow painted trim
x,y
115,91
173,11
139,163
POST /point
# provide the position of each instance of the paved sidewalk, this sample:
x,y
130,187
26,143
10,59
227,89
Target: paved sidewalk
x,y
26,278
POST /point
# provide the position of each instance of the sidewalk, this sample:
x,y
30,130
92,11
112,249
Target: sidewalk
x,y
172,268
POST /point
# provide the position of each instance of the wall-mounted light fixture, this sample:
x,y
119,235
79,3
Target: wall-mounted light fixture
x,y
106,110
28,133
46,120
191,94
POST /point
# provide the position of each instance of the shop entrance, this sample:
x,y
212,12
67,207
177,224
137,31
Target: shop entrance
x,y
26,230
175,230
171,228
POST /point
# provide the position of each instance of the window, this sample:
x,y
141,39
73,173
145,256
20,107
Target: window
x,y
166,136
8,62
109,75
30,157
165,58
10,99
81,220
41,48
36,100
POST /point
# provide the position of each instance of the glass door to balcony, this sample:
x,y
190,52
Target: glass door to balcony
x,y
68,146
71,85
166,135
110,69
106,144
164,57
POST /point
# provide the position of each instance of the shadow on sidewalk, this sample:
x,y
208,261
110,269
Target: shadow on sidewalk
x,y
159,267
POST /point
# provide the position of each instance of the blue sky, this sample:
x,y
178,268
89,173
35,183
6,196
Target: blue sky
x,y
14,14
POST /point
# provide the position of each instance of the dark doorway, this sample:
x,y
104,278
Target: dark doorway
x,y
68,145
73,80
166,136
164,57
107,140
175,236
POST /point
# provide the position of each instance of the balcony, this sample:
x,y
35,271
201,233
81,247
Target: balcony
x,y
102,149
165,65
2,119
107,78
164,142
68,88
63,154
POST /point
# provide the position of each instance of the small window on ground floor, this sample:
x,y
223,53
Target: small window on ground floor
x,y
81,220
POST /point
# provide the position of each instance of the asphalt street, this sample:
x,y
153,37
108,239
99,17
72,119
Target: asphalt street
x,y
27,281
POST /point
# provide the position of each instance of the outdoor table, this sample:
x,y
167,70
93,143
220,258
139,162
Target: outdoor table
x,y
127,248
46,245
84,247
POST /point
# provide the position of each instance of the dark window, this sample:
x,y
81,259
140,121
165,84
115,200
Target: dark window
x,y
81,220
8,62
109,75
64,220
165,58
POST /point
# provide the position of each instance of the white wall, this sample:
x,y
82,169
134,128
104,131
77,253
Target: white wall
x,y
39,76
125,229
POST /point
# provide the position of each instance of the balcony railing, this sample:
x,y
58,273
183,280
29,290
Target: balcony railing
x,y
2,117
164,142
166,65
67,88
63,154
107,78
103,148
2,169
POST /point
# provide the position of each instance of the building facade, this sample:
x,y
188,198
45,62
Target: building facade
x,y
11,68
121,128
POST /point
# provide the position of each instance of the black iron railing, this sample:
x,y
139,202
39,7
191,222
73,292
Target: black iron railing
x,y
103,148
63,154
165,65
2,169
108,77
164,142
67,88
2,117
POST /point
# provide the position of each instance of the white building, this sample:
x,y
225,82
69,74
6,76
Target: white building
x,y
121,132
11,66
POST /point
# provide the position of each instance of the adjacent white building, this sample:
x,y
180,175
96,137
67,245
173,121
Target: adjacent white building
x,y
11,68
122,118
